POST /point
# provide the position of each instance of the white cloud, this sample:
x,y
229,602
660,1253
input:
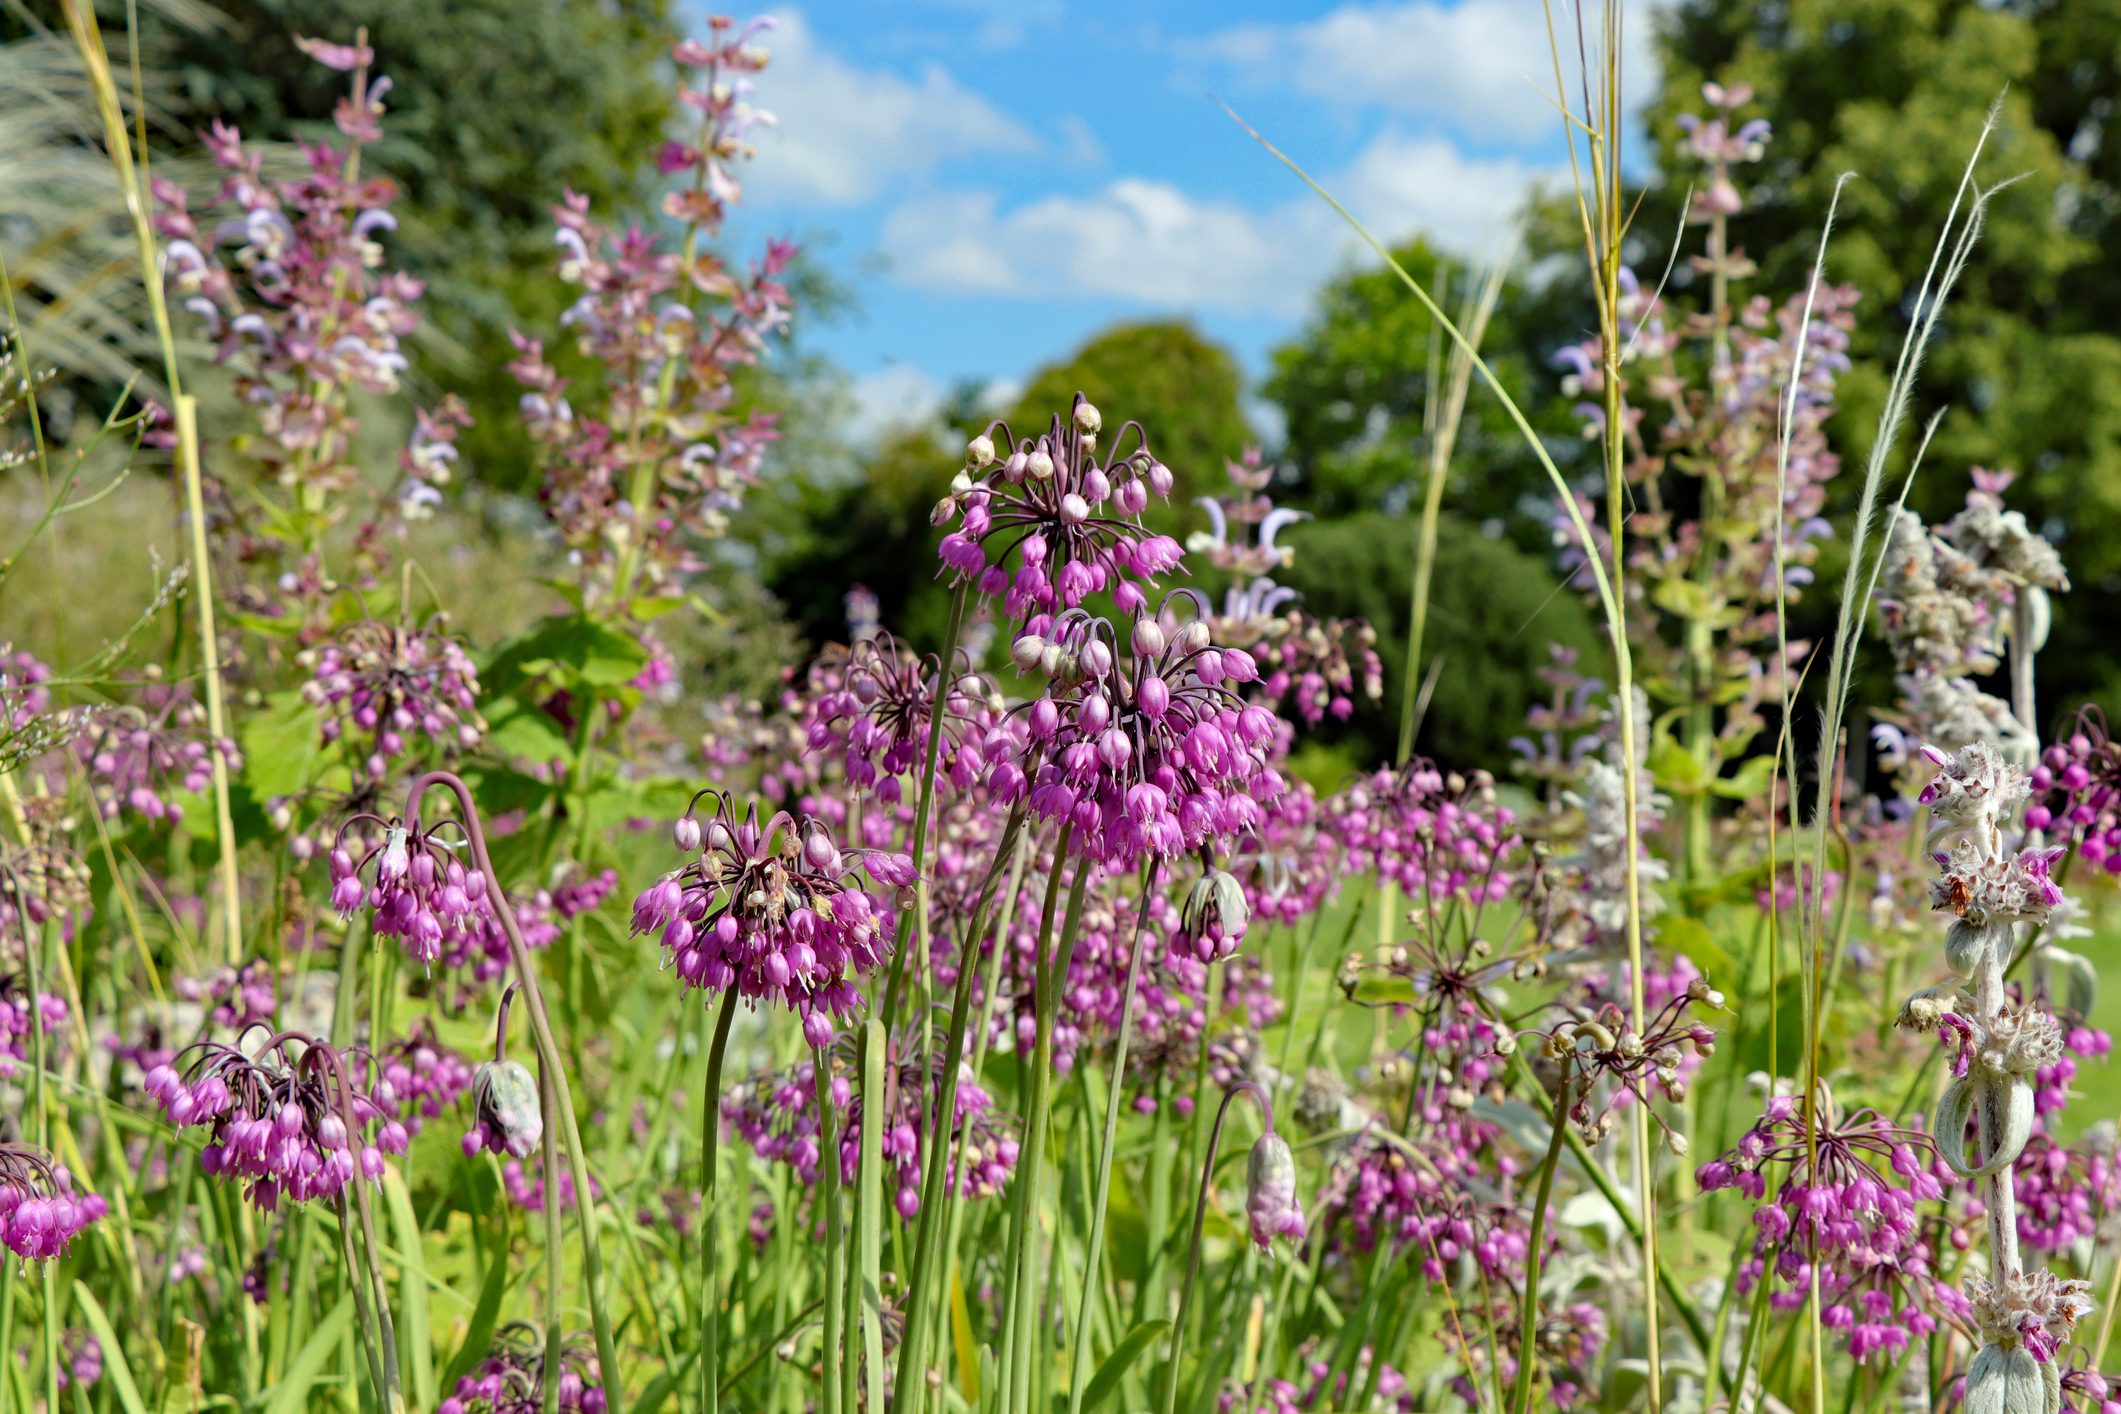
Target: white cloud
x,y
846,135
1151,242
895,396
1484,66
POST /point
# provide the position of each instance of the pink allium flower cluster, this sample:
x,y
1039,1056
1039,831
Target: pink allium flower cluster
x,y
422,894
137,758
287,1128
669,433
526,1189
2065,1192
18,1027
1851,1219
381,688
2077,792
1322,1391
511,1379
234,997
419,1077
1438,836
871,711
1148,754
1071,521
776,1115
23,694
773,911
40,1213
80,1360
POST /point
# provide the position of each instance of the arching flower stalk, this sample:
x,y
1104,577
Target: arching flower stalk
x,y
558,1097
1271,1210
2024,1318
288,1121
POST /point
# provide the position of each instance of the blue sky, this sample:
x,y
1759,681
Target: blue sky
x,y
995,181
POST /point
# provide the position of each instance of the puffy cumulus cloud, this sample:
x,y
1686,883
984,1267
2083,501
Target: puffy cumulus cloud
x,y
890,398
845,135
1151,242
1482,66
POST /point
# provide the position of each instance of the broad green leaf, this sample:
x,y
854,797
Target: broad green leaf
x,y
1105,1383
1384,991
296,1389
115,1369
280,744
415,1336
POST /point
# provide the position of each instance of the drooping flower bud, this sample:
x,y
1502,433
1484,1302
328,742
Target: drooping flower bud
x,y
508,1117
1270,1192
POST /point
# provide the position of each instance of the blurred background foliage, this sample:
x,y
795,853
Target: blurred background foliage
x,y
499,104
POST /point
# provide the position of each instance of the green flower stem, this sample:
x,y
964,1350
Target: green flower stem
x,y
1079,1362
1022,1264
911,1386
946,664
828,1201
1200,1217
710,1217
1528,1311
549,1057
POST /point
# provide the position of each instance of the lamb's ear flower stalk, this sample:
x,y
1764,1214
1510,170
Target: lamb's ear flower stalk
x,y
2025,1319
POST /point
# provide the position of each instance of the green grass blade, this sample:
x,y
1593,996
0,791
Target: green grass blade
x,y
115,1369
1105,1383
293,1393
869,1205
484,1317
415,1341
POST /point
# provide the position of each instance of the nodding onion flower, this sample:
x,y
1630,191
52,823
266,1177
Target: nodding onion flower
x,y
422,894
511,1379
1072,521
40,1213
380,685
1150,753
875,715
774,911
289,1125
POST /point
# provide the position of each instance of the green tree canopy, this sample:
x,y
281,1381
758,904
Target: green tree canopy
x,y
1184,388
2029,358
1354,388
496,109
1493,610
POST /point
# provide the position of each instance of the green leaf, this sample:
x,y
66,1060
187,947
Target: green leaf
x,y
664,1385
1749,782
519,730
1675,768
415,1337
484,1317
1683,598
115,1369
1689,937
1105,1382
294,1392
279,744
572,647
1383,991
